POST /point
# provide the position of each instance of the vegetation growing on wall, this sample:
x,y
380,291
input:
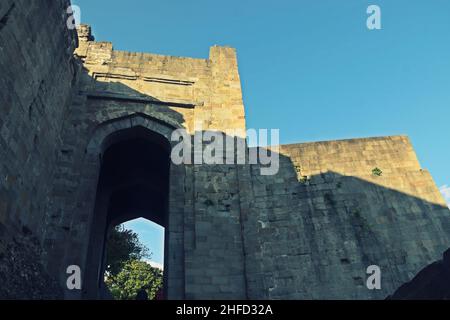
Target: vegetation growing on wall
x,y
377,172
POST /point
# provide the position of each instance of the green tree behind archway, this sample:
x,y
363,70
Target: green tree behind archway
x,y
126,272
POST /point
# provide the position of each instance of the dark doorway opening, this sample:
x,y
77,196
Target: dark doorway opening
x,y
133,183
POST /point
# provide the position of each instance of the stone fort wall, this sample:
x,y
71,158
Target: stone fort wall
x,y
120,90
308,232
36,82
319,223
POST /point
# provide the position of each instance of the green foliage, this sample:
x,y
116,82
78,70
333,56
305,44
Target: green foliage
x,y
304,179
125,273
377,172
123,245
135,275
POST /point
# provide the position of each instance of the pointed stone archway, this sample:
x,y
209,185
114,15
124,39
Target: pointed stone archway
x,y
130,160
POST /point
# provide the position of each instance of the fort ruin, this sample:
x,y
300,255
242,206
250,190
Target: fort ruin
x,y
85,139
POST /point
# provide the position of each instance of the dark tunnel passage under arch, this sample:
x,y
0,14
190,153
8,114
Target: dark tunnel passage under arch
x,y
133,183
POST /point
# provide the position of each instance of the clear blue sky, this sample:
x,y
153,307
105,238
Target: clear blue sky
x,y
311,67
150,234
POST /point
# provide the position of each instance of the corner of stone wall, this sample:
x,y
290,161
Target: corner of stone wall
x,y
225,57
226,108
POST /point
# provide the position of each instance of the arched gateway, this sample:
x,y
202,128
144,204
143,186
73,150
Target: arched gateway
x,y
86,145
132,155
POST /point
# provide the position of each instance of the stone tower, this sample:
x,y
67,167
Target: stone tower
x,y
86,136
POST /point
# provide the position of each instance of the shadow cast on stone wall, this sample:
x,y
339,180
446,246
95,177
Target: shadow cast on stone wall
x,y
314,237
107,116
299,238
231,232
431,283
35,90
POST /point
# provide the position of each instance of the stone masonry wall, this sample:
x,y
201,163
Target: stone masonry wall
x,y
36,74
309,231
178,93
314,228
